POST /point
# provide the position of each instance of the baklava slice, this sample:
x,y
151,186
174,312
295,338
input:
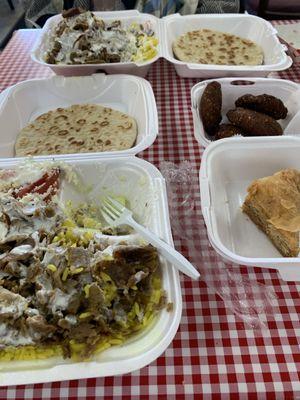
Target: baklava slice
x,y
273,204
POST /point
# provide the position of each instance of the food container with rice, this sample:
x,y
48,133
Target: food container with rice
x,y
212,45
81,43
115,114
250,200
244,107
79,298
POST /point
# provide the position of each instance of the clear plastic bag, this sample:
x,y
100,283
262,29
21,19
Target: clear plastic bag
x,y
250,300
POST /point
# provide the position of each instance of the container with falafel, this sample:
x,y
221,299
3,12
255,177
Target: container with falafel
x,y
247,107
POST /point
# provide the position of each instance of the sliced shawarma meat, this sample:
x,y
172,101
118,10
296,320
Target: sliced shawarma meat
x,y
78,257
19,225
127,262
12,305
39,328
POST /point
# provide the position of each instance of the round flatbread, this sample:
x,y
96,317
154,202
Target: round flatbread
x,y
206,46
81,128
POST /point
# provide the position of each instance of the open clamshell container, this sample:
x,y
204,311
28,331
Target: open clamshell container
x,y
247,26
25,101
148,201
130,67
232,88
228,167
167,30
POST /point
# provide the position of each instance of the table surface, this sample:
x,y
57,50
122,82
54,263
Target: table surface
x,y
214,354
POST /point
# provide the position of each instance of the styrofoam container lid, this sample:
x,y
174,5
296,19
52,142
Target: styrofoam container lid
x,y
126,17
247,26
25,101
233,88
228,167
148,201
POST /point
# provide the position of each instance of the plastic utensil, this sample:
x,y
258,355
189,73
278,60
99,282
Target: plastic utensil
x,y
117,214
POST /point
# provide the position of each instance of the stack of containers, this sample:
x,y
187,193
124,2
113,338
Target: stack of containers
x,y
110,172
230,165
119,171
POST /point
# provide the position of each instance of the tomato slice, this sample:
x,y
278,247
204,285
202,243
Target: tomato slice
x,y
47,185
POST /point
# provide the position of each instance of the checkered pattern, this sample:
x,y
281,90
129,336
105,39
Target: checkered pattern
x,y
214,355
296,52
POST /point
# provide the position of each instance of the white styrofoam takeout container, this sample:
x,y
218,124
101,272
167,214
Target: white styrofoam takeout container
x,y
233,88
167,30
126,17
247,26
228,167
114,175
25,101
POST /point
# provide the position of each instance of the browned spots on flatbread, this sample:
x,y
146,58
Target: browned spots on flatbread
x,y
63,132
52,128
205,46
60,118
77,129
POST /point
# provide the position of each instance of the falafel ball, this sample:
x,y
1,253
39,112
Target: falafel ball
x,y
263,103
254,123
210,107
227,130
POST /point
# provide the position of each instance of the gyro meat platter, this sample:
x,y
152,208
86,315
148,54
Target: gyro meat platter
x,y
83,38
73,286
79,42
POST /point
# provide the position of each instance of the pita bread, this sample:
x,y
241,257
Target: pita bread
x,y
82,128
206,46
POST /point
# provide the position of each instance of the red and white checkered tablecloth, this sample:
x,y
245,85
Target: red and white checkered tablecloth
x,y
214,354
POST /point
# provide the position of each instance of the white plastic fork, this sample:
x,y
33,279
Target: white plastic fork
x,y
116,214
